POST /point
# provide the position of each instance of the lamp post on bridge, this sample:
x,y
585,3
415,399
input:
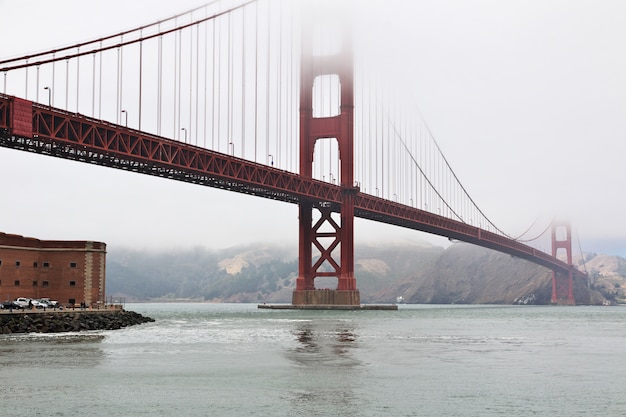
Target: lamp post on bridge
x,y
183,129
49,95
271,159
125,113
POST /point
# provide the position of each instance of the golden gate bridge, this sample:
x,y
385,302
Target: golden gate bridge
x,y
269,99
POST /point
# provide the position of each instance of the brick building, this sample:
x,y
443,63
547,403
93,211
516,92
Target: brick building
x,y
71,272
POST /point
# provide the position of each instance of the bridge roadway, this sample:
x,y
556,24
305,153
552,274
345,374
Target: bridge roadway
x,y
37,128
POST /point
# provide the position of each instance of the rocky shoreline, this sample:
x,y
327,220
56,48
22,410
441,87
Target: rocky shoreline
x,y
69,321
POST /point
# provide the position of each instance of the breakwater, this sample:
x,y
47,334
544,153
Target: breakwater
x,y
68,321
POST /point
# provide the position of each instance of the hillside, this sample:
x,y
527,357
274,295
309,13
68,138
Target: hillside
x,y
420,272
249,273
468,274
608,275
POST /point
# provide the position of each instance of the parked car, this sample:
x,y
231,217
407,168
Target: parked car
x,y
8,305
49,303
42,304
23,302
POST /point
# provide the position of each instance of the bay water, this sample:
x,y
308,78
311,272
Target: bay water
x,y
238,360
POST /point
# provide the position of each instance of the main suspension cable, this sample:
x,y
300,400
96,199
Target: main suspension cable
x,y
118,45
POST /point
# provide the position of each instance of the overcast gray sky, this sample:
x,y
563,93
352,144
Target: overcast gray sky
x,y
526,98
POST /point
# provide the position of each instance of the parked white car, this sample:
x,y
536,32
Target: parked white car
x,y
38,303
23,302
48,303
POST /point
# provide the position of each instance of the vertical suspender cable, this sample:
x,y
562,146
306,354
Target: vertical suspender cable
x,y
391,170
361,139
67,81
191,83
26,83
243,83
140,79
405,173
267,89
392,180
121,103
205,71
229,90
197,114
93,86
37,85
395,181
256,79
384,141
390,147
99,86
159,83
411,133
400,174
219,85
117,88
288,62
413,167
179,80
433,171
175,133
279,92
53,79
375,132
77,79
213,134
295,91
292,118
370,135
408,167
423,159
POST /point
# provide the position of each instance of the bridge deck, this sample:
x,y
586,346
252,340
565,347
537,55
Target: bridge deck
x,y
66,135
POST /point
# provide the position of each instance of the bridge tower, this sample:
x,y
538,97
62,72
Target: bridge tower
x,y
562,285
327,234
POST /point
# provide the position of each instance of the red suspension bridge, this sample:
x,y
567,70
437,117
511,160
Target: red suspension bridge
x,y
250,97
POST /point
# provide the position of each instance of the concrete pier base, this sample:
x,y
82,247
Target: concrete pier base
x,y
326,297
328,307
327,300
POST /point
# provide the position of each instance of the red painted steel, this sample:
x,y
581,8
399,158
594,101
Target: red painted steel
x,y
21,117
72,136
338,127
562,284
5,124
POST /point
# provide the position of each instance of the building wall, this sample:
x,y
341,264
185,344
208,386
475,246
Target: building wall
x,y
66,271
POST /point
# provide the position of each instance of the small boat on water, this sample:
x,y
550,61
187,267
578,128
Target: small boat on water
x,y
400,300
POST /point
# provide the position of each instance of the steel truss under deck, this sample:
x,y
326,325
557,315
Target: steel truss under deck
x,y
44,130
